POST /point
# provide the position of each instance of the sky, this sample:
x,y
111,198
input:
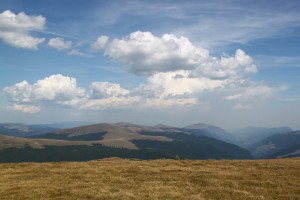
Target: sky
x,y
226,63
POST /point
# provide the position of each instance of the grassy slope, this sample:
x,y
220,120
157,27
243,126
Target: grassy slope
x,y
155,179
8,141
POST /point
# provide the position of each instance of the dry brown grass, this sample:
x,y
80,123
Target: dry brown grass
x,y
156,179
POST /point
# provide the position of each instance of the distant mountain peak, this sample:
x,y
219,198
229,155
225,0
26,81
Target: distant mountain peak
x,y
125,124
198,126
163,126
209,130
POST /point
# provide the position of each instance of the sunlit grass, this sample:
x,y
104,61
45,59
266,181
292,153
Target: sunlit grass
x,y
156,179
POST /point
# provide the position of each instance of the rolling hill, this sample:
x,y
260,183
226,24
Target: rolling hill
x,y
111,135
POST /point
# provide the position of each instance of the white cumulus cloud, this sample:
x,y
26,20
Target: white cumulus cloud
x,y
177,88
63,90
226,67
15,29
179,83
145,53
106,89
59,43
54,87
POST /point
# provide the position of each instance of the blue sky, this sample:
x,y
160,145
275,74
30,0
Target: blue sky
x,y
228,63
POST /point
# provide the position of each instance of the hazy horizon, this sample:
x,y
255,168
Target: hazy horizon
x,y
85,123
230,64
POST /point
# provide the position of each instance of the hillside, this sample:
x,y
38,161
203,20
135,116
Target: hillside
x,y
9,142
277,145
116,140
289,152
156,179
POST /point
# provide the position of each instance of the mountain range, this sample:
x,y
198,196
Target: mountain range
x,y
20,142
116,140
